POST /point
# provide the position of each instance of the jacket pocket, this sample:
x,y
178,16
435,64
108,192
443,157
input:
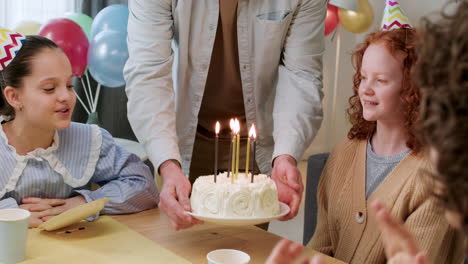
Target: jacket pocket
x,y
274,15
270,33
273,24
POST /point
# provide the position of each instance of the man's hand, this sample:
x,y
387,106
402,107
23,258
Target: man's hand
x,y
399,244
174,196
44,209
289,183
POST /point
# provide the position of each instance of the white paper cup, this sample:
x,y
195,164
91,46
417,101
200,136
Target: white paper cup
x,y
13,234
227,256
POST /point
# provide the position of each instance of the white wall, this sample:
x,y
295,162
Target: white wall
x,y
335,124
14,11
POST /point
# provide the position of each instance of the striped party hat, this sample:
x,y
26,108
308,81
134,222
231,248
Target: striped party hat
x,y
394,17
10,43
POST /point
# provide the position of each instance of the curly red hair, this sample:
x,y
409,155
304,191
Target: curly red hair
x,y
396,41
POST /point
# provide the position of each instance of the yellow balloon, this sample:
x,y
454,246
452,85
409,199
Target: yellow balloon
x,y
27,27
357,21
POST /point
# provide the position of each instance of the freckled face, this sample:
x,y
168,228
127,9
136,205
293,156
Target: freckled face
x,y
380,86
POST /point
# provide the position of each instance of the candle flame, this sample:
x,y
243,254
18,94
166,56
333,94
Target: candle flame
x,y
218,127
252,132
231,124
236,126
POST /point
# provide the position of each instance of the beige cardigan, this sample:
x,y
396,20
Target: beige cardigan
x,y
346,231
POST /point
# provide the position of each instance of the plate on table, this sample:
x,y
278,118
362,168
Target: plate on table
x,y
242,221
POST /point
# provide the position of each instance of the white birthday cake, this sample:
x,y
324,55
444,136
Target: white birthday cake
x,y
239,199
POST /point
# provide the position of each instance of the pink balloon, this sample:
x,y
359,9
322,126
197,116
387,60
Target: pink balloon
x,y
332,19
69,36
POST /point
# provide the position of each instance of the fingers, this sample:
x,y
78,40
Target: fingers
x,y
377,205
421,258
46,218
39,207
385,221
31,200
34,220
184,200
293,207
315,260
174,199
55,202
36,200
395,237
174,210
281,248
33,223
285,251
26,206
295,250
35,204
52,212
294,180
391,226
183,197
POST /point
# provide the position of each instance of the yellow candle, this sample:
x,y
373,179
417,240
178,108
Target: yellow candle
x,y
247,158
237,156
233,143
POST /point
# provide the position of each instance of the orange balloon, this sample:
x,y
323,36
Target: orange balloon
x,y
357,21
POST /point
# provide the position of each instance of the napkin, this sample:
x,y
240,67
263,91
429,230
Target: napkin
x,y
74,215
104,241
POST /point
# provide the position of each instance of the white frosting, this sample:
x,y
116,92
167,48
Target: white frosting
x,y
241,199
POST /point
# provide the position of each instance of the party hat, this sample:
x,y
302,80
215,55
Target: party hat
x,y
394,17
10,43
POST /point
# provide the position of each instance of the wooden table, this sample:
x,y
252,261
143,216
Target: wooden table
x,y
194,243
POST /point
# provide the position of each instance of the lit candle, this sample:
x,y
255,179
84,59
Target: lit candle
x,y
248,152
233,165
237,147
231,155
217,128
254,139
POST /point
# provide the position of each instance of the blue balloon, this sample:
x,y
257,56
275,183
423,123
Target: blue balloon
x,y
107,55
113,17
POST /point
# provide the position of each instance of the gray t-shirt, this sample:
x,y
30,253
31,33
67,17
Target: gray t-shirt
x,y
379,167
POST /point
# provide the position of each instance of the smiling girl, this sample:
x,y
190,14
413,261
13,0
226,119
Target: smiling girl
x,y
47,161
381,158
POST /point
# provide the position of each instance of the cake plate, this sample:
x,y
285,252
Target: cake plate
x,y
242,221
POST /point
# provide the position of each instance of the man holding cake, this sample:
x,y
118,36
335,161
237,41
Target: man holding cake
x,y
258,61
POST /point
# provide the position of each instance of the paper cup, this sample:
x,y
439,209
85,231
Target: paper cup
x,y
227,256
13,234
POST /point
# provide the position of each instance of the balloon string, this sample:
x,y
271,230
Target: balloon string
x,y
98,90
86,92
334,33
89,86
79,99
335,81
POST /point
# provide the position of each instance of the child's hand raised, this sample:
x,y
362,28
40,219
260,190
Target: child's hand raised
x,y
286,252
